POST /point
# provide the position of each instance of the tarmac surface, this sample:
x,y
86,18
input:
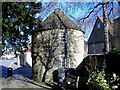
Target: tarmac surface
x,y
20,79
21,82
16,69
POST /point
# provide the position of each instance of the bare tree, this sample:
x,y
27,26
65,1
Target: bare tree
x,y
44,52
106,37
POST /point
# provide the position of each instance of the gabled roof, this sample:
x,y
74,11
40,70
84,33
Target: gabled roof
x,y
98,35
110,25
58,20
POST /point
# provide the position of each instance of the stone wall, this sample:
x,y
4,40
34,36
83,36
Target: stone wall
x,y
93,63
90,64
75,47
48,49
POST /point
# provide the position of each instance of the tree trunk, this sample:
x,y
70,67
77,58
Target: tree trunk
x,y
106,37
44,75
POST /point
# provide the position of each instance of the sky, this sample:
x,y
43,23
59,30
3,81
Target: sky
x,y
75,11
71,9
72,0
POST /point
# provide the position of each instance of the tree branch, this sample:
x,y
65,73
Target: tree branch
x,y
90,12
111,10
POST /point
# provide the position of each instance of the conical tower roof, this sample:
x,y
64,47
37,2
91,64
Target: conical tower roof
x,y
58,20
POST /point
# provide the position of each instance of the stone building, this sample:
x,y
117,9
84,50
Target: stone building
x,y
117,33
96,39
60,44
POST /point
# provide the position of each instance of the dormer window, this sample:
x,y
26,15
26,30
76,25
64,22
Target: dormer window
x,y
98,26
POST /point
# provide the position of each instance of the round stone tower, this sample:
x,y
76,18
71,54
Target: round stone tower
x,y
59,44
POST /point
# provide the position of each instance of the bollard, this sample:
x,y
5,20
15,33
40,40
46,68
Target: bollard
x,y
10,71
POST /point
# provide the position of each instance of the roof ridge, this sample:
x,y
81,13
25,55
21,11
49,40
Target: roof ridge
x,y
58,19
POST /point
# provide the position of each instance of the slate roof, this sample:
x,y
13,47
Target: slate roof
x,y
58,20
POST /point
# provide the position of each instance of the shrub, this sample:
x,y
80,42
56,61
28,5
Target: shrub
x,y
97,81
114,52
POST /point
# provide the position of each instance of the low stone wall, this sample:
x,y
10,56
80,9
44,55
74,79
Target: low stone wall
x,y
90,64
95,62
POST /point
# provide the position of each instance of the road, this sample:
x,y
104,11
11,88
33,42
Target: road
x,y
21,82
21,77
5,64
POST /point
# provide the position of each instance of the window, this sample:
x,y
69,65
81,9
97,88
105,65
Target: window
x,y
62,61
63,37
98,26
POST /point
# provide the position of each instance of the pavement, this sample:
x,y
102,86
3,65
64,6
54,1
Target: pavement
x,y
5,64
19,81
21,76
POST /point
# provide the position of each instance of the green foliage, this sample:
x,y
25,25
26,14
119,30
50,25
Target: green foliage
x,y
97,80
114,52
18,23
